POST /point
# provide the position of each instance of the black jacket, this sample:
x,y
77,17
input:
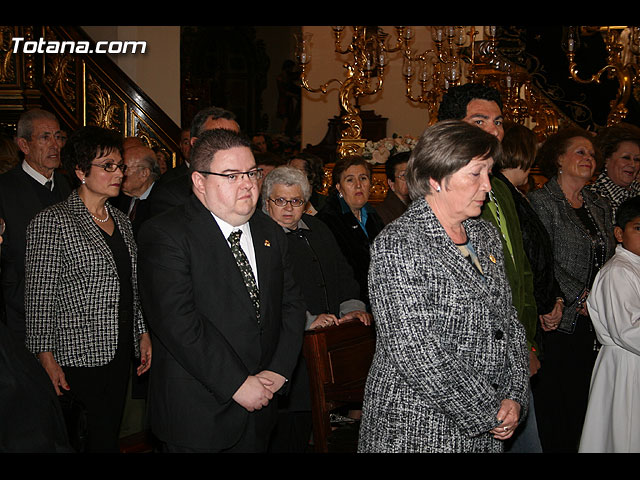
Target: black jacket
x,y
21,198
352,239
207,338
539,250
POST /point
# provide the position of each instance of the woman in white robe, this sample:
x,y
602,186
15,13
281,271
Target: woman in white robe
x,y
612,422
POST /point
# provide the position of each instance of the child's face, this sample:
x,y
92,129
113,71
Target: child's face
x,y
630,236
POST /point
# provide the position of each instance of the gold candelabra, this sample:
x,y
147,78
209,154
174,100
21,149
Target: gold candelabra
x,y
456,56
365,75
440,67
623,50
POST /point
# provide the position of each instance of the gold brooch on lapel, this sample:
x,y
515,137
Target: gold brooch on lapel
x,y
267,243
492,258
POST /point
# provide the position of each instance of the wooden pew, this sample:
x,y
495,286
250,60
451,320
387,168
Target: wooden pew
x,y
338,360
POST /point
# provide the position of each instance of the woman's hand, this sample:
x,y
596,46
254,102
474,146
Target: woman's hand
x,y
55,372
583,310
550,321
145,353
364,317
324,320
509,415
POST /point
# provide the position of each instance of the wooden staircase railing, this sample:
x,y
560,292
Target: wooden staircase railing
x,y
81,89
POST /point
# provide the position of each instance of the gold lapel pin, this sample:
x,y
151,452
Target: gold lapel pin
x,y
492,258
267,243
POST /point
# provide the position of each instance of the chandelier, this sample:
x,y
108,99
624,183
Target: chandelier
x,y
438,68
365,75
623,49
456,56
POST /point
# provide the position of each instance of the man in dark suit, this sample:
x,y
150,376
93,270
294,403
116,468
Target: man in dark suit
x,y
139,180
174,186
227,320
25,190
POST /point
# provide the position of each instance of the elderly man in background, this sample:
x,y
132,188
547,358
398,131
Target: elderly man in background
x,y
141,175
25,190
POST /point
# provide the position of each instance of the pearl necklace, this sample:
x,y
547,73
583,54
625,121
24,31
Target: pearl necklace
x,y
100,219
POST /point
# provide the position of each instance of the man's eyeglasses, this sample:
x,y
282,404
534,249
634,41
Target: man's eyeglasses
x,y
282,202
253,175
45,138
111,167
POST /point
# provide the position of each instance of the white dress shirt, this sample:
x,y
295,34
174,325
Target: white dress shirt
x,y
37,176
246,242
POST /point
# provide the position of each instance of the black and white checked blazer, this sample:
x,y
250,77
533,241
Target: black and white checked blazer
x,y
72,287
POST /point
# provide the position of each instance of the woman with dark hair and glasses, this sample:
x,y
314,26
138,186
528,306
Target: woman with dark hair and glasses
x,y
83,317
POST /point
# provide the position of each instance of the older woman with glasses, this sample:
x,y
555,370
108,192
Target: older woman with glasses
x,y
83,317
325,278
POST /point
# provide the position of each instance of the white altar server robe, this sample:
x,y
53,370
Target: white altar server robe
x,y
612,422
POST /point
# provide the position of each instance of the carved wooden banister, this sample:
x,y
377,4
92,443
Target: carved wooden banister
x,y
81,89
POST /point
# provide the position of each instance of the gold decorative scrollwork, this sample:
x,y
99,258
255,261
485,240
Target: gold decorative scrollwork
x,y
7,69
147,136
61,73
350,146
61,78
103,112
353,124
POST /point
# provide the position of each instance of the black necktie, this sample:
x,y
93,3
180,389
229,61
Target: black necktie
x,y
245,270
132,212
48,185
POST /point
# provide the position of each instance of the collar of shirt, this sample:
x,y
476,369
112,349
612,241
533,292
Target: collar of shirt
x,y
37,176
364,214
246,241
301,226
146,192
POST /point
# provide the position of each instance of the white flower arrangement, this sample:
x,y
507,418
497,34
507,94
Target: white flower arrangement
x,y
380,151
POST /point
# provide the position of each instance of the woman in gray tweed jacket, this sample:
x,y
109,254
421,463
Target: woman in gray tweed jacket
x,y
451,367
83,317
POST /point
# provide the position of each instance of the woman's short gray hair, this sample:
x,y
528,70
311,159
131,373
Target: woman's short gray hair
x,y
288,176
443,149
